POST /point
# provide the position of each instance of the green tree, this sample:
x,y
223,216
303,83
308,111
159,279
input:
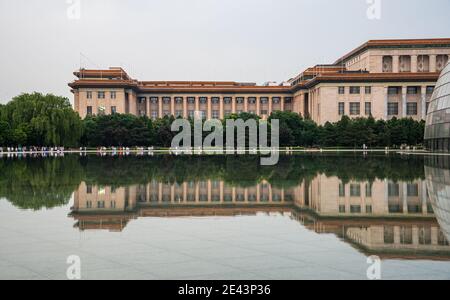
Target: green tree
x,y
41,120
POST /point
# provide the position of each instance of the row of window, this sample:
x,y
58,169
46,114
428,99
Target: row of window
x,y
354,90
411,109
410,90
101,110
101,95
412,190
394,90
215,100
355,108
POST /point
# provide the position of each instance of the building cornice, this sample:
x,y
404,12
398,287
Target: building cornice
x,y
396,44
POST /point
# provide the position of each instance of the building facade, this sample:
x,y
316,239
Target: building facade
x,y
382,78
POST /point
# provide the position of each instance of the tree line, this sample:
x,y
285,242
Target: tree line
x,y
48,120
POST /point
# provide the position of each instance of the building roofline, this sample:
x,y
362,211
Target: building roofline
x,y
395,43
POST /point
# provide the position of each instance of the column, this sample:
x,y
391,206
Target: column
x,y
282,104
222,192
405,198
185,108
233,105
245,104
270,105
221,105
258,106
208,117
172,106
414,63
395,64
160,107
433,63
386,101
197,103
147,113
424,102
404,88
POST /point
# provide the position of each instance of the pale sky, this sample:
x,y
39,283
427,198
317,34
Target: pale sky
x,y
236,40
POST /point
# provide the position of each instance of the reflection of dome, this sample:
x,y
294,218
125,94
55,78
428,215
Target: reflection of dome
x,y
437,131
437,172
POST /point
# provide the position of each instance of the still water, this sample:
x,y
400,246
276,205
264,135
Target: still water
x,y
210,217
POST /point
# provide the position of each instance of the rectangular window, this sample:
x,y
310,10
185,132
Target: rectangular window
x,y
239,100
251,100
179,100
89,95
355,190
393,190
154,100
215,114
276,100
392,109
227,100
411,109
368,190
430,90
88,189
355,108
113,110
227,112
412,90
355,90
341,90
203,100
288,100
166,100
89,111
113,95
341,190
179,113
191,100
341,108
215,100
368,90
368,108
154,115
166,113
264,112
142,100
101,95
264,100
413,190
191,114
393,90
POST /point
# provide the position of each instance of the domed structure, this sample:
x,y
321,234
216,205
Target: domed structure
x,y
437,172
437,130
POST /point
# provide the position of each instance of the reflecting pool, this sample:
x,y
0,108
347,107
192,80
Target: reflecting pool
x,y
312,216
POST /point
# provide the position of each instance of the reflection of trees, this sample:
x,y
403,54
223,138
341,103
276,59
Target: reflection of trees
x,y
49,182
39,183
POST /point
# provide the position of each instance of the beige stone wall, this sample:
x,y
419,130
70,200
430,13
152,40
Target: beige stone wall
x,y
81,102
373,58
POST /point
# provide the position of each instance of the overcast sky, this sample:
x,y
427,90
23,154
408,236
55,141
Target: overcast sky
x,y
238,40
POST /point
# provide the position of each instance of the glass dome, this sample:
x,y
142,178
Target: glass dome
x,y
437,130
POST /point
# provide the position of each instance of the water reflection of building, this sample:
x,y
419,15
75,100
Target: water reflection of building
x,y
387,218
